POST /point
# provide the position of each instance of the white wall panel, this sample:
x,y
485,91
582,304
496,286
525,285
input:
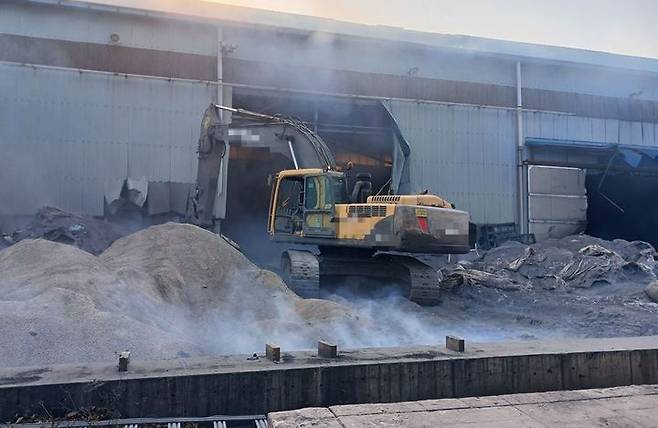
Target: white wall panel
x,y
588,129
465,154
66,136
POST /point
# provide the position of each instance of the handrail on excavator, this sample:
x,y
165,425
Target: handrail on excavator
x,y
247,112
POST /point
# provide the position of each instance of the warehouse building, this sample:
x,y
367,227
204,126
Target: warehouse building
x,y
554,140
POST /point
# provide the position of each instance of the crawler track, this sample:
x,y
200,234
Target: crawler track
x,y
302,271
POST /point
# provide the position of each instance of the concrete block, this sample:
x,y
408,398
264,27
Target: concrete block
x,y
273,352
455,343
327,350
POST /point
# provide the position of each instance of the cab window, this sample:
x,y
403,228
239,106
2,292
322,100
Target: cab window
x,y
340,190
288,214
318,193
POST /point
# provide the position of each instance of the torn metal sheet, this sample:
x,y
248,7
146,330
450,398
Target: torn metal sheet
x,y
401,152
137,190
113,190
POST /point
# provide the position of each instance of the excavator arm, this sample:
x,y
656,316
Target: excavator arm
x,y
279,134
212,147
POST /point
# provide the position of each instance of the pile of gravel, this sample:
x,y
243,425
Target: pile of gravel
x,y
168,291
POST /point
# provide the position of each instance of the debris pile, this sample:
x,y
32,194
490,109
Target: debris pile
x,y
573,262
168,291
577,286
53,224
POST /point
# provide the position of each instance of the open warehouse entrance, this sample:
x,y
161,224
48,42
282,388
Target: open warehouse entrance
x,y
605,190
356,131
623,205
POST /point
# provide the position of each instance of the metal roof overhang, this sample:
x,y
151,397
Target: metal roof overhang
x,y
215,13
592,155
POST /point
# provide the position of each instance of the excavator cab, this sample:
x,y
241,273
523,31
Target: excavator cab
x,y
303,202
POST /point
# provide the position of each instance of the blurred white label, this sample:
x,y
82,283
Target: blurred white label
x,y
244,134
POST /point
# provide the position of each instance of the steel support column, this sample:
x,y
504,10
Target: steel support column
x,y
522,193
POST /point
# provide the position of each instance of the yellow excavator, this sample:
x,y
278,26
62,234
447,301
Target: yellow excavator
x,y
356,233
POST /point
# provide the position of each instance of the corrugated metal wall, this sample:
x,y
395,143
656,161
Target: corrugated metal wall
x,y
67,136
92,26
466,154
565,127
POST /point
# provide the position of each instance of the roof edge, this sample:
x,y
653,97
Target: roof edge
x,y
210,12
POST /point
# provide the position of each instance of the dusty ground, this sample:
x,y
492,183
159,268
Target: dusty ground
x,y
575,287
175,290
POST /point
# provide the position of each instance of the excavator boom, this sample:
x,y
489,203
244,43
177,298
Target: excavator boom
x,y
290,137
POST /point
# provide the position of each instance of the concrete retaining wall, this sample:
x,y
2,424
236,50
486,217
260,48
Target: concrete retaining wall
x,y
234,385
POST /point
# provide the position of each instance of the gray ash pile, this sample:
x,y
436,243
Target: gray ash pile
x,y
50,223
61,304
167,291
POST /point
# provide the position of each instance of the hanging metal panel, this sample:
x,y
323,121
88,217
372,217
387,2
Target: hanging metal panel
x,y
465,154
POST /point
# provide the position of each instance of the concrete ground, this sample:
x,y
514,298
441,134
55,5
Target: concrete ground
x,y
628,406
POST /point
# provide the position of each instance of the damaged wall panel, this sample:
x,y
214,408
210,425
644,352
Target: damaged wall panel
x,y
68,136
465,154
589,129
